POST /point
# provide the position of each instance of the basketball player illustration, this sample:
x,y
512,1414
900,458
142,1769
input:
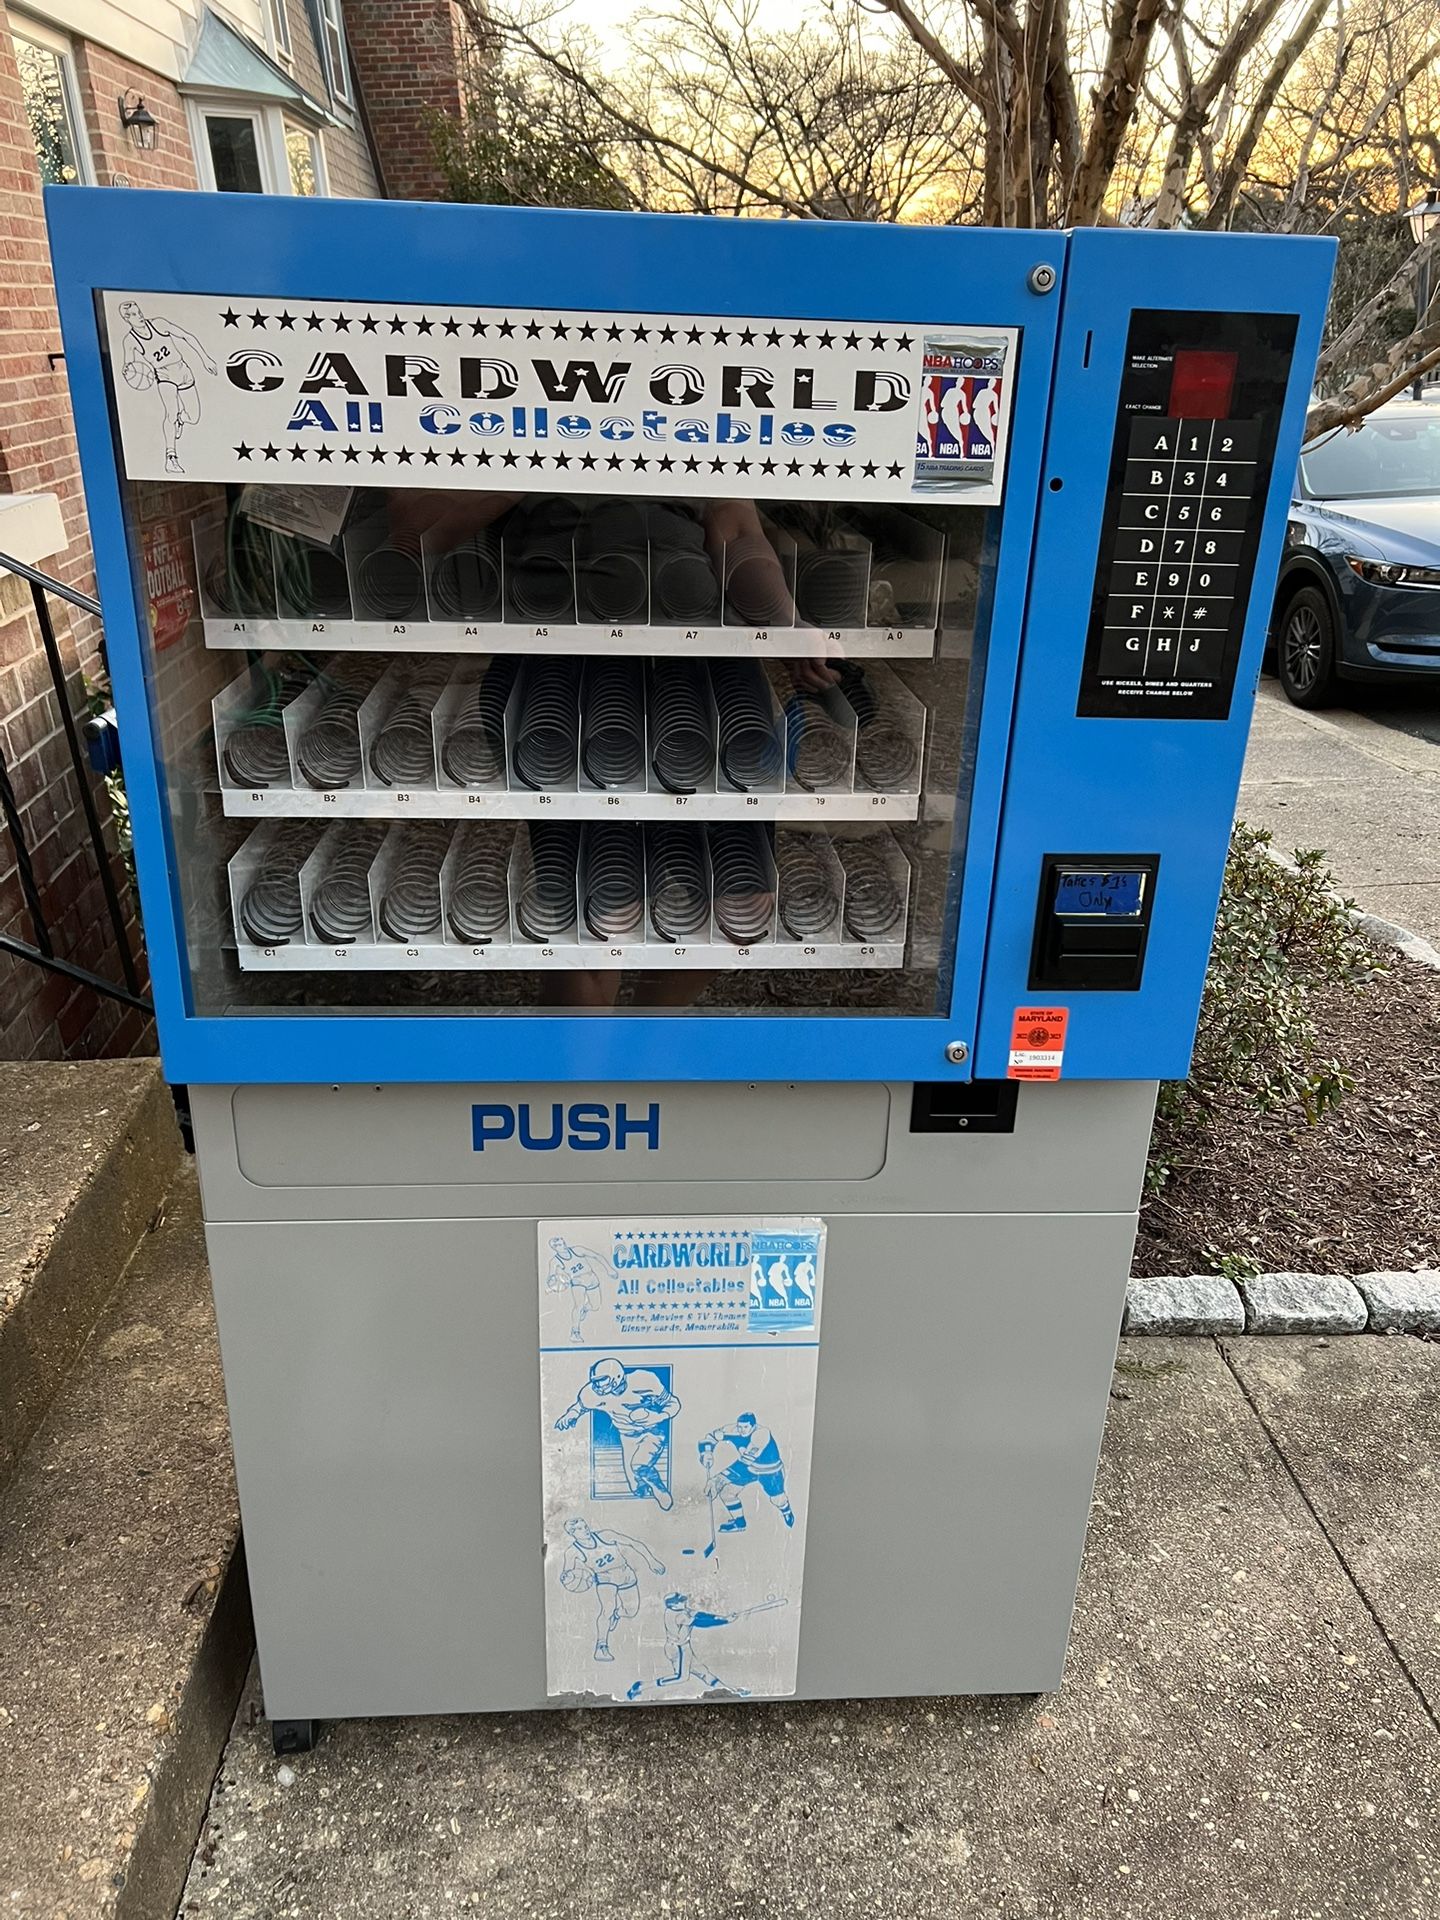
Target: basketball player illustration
x,y
156,356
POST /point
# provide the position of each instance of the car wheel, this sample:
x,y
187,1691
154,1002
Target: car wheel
x,y
1305,650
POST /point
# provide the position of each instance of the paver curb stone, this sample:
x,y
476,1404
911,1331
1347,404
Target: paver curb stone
x,y
1402,1302
1208,1303
1302,1303
1188,1303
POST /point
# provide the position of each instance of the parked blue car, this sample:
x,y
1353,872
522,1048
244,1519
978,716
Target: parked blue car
x,y
1359,591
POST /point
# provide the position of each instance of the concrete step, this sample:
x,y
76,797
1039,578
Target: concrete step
x,y
124,1616
87,1149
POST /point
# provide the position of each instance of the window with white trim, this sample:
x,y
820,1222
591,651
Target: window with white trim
x,y
235,154
242,146
277,21
336,65
305,155
52,103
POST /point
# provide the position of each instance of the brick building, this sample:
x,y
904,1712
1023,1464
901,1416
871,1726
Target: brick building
x,y
257,96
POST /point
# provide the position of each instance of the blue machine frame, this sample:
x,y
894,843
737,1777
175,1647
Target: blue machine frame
x,y
1043,778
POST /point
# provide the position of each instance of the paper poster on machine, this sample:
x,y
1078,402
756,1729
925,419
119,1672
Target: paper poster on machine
x,y
678,1361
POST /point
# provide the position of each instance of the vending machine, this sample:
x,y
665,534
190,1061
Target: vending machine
x,y
681,771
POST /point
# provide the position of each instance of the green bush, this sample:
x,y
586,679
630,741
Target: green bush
x,y
1280,934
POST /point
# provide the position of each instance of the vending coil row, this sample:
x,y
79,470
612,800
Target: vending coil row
x,y
554,560
559,724
605,893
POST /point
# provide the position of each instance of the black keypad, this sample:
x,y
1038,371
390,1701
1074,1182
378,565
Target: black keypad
x,y
1171,596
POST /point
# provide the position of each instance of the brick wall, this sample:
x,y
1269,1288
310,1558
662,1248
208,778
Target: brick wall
x,y
103,77
42,1014
407,59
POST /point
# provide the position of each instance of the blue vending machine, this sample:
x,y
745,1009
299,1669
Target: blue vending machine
x,y
681,771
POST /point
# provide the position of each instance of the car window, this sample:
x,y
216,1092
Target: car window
x,y
1399,455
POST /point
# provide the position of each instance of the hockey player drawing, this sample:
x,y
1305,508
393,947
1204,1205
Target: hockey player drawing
x,y
638,1406
155,355
580,1270
600,1559
744,1454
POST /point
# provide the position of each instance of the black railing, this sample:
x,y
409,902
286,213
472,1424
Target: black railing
x,y
42,952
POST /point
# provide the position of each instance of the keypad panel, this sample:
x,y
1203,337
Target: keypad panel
x,y
1183,512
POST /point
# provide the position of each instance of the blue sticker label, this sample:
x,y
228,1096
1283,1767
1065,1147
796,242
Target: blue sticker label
x,y
782,1280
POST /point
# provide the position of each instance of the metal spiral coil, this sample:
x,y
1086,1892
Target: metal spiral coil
x,y
612,879
611,562
465,583
755,588
479,892
241,580
256,755
402,753
682,733
410,904
676,884
546,746
807,889
545,895
743,884
312,581
887,753
327,754
340,901
473,749
749,749
683,583
874,904
612,723
390,583
832,587
684,587
819,751
270,911
540,559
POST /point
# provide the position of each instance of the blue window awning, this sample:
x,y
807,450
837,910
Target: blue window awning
x,y
225,62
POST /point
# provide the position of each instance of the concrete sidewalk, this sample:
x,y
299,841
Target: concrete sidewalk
x,y
1365,791
1247,1730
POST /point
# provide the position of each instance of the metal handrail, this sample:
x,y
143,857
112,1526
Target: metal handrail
x,y
42,954
50,584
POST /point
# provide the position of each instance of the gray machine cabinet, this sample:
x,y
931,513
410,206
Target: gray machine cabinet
x,y
376,1284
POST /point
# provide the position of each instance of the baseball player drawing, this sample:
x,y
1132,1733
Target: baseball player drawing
x,y
155,355
681,1621
744,1454
630,1411
599,1559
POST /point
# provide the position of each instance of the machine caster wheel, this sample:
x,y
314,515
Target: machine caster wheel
x,y
294,1736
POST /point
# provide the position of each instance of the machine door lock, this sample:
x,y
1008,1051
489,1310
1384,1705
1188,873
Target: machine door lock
x,y
1092,921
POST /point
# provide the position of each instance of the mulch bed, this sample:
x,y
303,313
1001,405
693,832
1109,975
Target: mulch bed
x,y
1358,1193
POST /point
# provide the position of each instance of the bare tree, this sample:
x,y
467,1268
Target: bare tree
x,y
1293,115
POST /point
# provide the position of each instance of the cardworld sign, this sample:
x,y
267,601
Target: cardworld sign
x,y
230,387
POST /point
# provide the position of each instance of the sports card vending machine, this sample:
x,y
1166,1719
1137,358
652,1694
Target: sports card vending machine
x,y
681,771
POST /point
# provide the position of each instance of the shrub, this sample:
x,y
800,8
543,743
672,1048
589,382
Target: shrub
x,y
1280,933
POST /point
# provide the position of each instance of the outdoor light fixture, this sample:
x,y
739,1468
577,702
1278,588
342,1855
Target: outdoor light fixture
x,y
140,123
1423,217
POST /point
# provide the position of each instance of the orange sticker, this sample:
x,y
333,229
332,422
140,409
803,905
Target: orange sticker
x,y
1037,1043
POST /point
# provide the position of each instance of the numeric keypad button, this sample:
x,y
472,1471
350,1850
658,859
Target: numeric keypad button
x,y
1122,653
